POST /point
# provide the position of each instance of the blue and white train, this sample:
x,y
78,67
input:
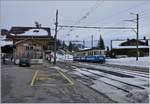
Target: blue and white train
x,y
94,58
90,55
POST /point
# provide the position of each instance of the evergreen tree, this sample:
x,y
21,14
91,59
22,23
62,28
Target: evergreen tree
x,y
63,44
101,43
70,47
58,43
107,48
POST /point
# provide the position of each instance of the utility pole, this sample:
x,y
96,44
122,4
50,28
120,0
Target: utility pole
x,y
137,37
92,41
14,51
137,32
111,44
55,45
83,43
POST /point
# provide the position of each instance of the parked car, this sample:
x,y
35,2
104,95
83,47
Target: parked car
x,y
24,62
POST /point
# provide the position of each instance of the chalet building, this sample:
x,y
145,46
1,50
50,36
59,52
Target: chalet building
x,y
30,42
122,47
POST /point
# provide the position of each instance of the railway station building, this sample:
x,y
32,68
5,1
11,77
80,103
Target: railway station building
x,y
30,42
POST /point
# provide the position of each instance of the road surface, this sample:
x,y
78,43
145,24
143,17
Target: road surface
x,y
48,85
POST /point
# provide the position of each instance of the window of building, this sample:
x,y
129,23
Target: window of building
x,y
31,47
27,47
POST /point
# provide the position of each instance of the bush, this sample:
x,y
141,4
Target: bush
x,y
133,53
110,54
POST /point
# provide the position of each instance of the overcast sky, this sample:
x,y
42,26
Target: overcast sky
x,y
98,13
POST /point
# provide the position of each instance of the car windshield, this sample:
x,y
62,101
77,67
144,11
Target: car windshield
x,y
24,59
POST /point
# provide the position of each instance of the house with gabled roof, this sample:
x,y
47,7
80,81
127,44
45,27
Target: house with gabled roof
x,y
122,47
30,42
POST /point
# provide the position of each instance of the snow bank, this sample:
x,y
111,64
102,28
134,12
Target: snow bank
x,y
130,61
64,57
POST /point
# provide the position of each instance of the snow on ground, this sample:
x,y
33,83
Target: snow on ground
x,y
112,92
130,61
64,57
136,95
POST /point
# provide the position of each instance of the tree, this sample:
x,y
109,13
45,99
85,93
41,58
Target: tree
x,y
70,47
101,43
58,43
63,44
107,48
75,47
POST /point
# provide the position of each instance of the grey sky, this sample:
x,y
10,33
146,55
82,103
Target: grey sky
x,y
102,13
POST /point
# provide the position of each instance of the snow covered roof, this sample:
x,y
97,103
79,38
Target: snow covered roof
x,y
117,44
89,49
2,38
3,43
22,29
85,49
34,32
127,47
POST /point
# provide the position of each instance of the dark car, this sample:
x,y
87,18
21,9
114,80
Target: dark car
x,y
24,62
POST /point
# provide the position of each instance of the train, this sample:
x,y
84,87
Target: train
x,y
90,55
91,58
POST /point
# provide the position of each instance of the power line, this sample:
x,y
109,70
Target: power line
x,y
143,15
71,26
120,12
86,15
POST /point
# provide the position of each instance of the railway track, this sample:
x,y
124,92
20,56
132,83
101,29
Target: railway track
x,y
115,80
105,79
119,69
133,68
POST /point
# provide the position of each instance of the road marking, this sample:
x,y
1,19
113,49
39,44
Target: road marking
x,y
44,78
68,79
61,73
34,78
